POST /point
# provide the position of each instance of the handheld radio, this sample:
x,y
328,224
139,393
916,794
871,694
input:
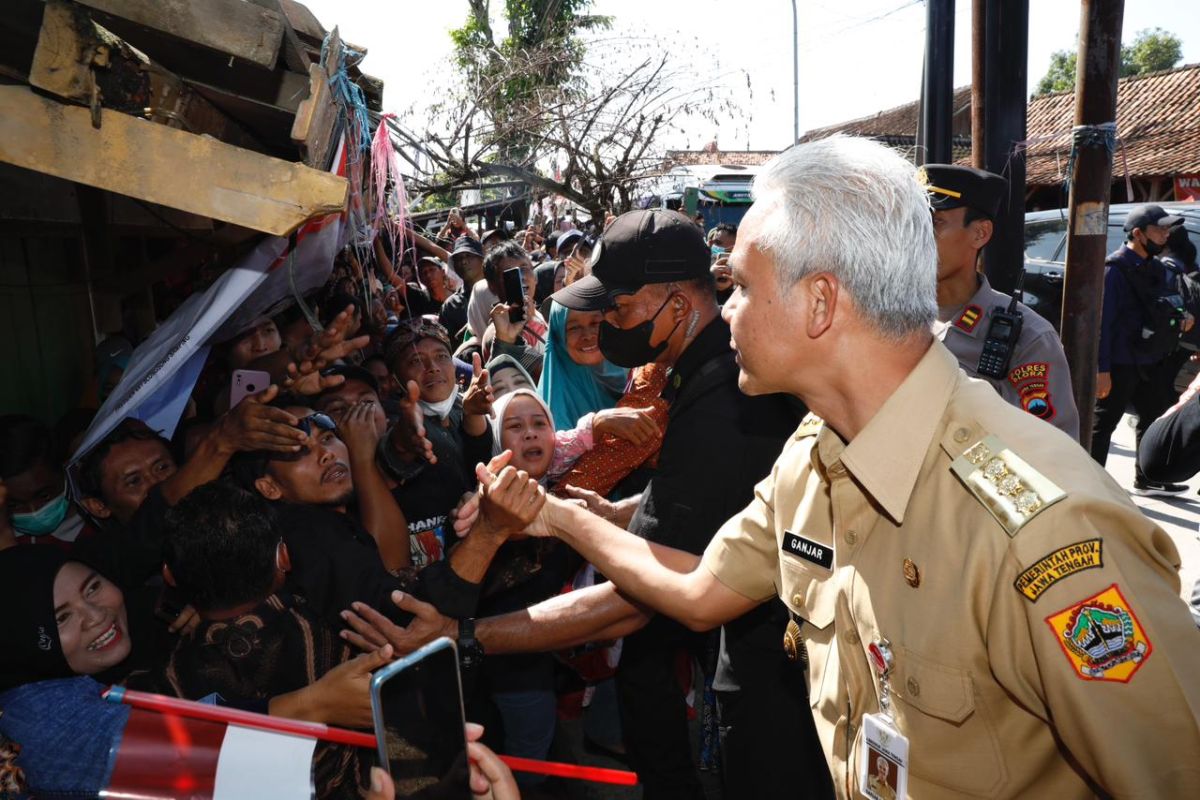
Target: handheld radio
x,y
1003,332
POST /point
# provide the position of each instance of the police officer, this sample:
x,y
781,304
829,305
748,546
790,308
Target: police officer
x,y
979,602
1036,377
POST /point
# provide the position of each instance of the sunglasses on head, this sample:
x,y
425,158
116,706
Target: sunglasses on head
x,y
321,421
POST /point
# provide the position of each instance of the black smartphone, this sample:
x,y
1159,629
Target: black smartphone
x,y
514,293
419,723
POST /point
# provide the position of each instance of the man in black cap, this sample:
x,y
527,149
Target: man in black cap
x,y
650,277
467,262
971,313
1139,331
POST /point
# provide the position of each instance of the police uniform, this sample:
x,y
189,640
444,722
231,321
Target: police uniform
x,y
1040,646
1037,378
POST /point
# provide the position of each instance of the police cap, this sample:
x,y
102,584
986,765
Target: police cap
x,y
951,186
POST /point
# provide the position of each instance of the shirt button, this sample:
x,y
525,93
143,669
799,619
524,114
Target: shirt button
x,y
851,536
837,470
914,688
961,435
797,600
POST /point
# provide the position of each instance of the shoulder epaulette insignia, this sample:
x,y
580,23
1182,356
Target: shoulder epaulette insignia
x,y
1007,486
809,426
969,318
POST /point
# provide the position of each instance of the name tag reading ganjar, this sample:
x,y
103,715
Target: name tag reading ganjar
x,y
807,549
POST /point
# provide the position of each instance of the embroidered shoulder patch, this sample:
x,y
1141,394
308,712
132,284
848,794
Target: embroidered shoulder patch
x,y
809,426
1012,491
1102,637
1032,382
969,318
1062,563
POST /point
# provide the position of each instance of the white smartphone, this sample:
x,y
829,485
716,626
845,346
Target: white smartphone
x,y
246,382
419,723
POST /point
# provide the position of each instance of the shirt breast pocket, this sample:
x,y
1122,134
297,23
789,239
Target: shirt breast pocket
x,y
952,740
812,598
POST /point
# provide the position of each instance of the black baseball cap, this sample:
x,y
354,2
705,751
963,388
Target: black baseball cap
x,y
639,248
467,244
1147,215
951,186
567,240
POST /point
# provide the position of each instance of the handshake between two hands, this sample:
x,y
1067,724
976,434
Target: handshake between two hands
x,y
509,502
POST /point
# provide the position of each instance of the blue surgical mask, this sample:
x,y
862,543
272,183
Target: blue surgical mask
x,y
45,520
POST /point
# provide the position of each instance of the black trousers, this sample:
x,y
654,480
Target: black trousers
x,y
654,710
1149,388
769,744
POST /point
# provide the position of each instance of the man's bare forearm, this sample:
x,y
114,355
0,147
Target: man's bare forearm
x,y
595,614
650,573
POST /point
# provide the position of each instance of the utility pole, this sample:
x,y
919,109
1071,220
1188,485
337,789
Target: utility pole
x,y
795,76
978,80
1005,94
1092,143
934,140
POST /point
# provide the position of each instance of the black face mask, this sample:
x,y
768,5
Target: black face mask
x,y
630,347
1152,248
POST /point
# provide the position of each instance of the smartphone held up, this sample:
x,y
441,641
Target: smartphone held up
x,y
419,723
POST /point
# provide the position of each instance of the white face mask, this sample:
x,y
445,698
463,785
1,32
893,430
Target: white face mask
x,y
441,408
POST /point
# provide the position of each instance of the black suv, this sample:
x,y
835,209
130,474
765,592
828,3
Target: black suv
x,y
1046,251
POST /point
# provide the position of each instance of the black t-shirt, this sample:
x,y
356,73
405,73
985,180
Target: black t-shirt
x,y
427,493
453,315
719,443
335,562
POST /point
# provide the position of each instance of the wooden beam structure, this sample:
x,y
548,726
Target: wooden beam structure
x,y
81,61
162,165
231,27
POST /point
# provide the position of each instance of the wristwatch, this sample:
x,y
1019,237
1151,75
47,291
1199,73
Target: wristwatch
x,y
470,651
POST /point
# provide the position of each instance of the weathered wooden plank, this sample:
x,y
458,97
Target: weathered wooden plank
x,y
315,119
233,27
162,165
81,61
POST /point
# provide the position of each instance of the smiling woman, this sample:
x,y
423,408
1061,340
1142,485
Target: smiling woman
x,y
576,379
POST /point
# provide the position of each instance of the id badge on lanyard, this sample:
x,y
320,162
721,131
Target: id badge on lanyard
x,y
883,758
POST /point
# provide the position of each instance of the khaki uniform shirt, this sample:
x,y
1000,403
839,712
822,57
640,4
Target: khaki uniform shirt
x,y
1038,379
1041,648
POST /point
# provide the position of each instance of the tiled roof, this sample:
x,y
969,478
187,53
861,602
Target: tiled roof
x,y
900,121
740,158
1158,122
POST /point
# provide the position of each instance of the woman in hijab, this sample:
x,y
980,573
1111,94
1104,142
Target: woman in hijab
x,y
68,633
522,573
576,379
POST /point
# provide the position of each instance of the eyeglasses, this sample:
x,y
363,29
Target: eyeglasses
x,y
322,421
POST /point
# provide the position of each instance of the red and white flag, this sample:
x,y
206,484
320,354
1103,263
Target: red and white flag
x,y
169,757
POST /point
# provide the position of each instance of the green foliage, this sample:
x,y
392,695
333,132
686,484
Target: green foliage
x,y
1061,75
1152,50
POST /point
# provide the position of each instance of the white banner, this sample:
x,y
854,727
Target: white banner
x,y
163,369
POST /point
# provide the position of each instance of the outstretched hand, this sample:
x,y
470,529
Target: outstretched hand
x,y
254,424
511,501
408,434
369,630
321,350
466,513
634,425
479,397
344,693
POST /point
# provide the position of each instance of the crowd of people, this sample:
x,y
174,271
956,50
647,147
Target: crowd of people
x,y
641,473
